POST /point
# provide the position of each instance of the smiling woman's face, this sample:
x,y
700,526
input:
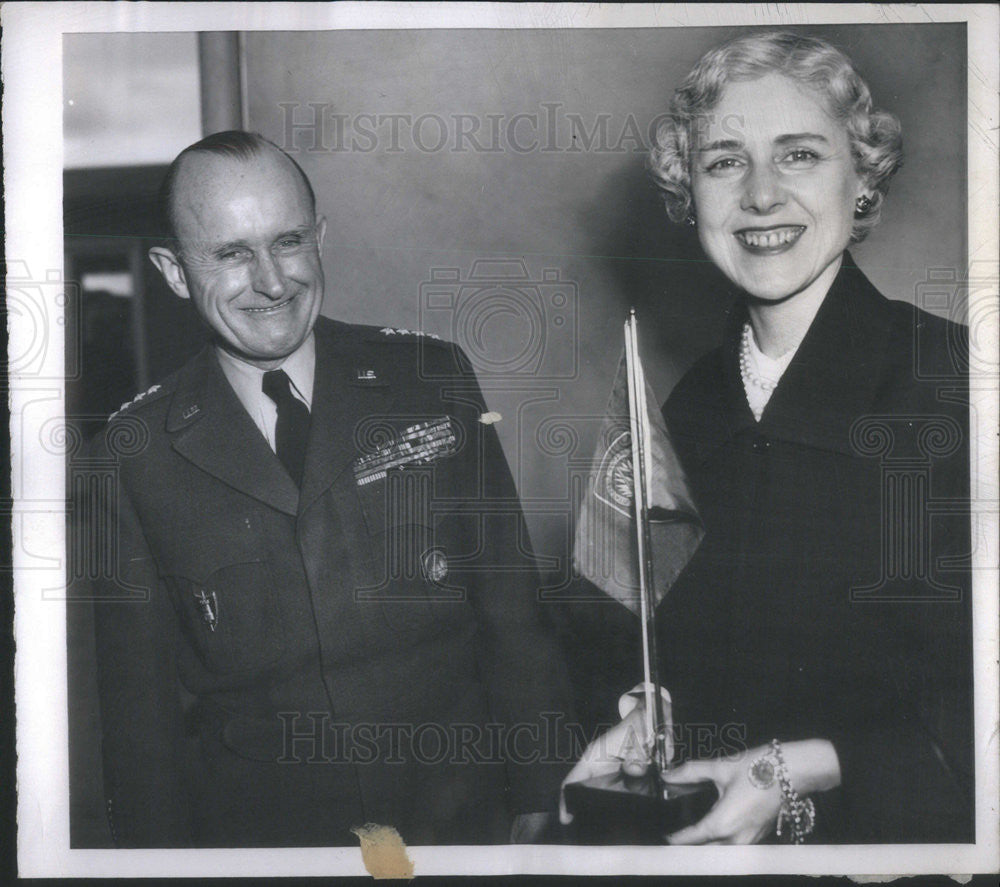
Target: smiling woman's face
x,y
774,187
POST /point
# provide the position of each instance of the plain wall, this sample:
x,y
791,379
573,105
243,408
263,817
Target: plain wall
x,y
588,218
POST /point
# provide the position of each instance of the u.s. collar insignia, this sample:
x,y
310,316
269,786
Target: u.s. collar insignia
x,y
366,376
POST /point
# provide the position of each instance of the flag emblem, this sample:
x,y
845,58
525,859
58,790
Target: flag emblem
x,y
606,547
613,482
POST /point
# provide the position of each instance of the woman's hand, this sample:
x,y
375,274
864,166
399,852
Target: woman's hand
x,y
622,747
744,813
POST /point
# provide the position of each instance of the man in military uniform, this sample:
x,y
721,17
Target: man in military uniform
x,y
324,612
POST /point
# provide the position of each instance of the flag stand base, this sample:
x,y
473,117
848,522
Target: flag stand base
x,y
619,809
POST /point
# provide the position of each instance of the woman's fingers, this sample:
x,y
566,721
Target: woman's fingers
x,y
565,817
702,832
743,814
635,767
692,771
622,747
585,768
633,750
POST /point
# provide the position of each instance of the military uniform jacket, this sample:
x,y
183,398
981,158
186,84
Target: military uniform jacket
x,y
831,596
276,667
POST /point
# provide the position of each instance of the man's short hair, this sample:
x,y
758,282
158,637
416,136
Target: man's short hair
x,y
235,144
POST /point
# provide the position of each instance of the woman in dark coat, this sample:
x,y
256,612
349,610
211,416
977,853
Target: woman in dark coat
x,y
817,648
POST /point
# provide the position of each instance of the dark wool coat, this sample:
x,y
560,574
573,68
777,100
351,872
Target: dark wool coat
x,y
831,597
377,652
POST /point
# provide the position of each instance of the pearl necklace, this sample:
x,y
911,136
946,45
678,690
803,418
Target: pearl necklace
x,y
748,366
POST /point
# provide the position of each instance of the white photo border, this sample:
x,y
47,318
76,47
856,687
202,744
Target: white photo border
x,y
32,132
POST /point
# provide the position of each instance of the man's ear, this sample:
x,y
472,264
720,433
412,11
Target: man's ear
x,y
320,232
170,267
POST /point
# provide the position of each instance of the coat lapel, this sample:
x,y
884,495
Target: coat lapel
x,y
341,405
833,379
213,430
831,382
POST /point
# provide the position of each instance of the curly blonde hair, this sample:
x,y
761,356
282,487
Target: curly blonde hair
x,y
875,136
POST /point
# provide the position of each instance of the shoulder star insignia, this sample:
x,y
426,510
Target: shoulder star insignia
x,y
401,331
152,390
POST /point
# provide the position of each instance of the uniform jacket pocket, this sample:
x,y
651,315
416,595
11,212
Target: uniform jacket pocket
x,y
411,561
231,616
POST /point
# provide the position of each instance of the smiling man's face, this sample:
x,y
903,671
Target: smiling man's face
x,y
774,187
249,253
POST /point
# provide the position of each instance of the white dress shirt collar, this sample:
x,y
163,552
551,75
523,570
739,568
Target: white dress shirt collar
x,y
247,381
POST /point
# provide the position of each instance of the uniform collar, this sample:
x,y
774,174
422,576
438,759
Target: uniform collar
x,y
210,427
354,396
247,379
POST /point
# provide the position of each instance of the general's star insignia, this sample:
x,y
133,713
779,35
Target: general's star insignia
x,y
151,390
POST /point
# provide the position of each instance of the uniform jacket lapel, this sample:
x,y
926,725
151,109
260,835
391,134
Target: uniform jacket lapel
x,y
211,428
340,403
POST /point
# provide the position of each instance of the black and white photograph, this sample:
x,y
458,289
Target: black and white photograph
x,y
491,438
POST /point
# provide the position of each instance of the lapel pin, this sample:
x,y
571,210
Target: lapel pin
x,y
365,375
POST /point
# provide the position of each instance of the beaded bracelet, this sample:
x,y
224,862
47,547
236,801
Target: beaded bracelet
x,y
799,813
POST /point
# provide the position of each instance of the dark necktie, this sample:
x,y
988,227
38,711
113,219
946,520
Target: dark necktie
x,y
292,429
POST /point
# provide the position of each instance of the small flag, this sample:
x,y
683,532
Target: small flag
x,y
606,549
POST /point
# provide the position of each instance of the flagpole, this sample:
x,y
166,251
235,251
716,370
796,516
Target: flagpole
x,y
610,801
639,433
